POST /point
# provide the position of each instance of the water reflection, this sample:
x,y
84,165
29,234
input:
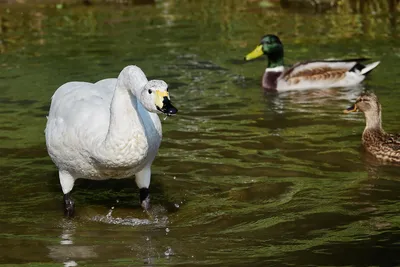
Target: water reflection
x,y
257,179
142,247
156,216
310,100
68,252
343,6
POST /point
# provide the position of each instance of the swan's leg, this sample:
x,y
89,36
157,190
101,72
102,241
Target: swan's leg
x,y
143,182
69,205
67,183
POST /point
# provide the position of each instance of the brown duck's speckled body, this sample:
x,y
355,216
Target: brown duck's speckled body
x,y
382,145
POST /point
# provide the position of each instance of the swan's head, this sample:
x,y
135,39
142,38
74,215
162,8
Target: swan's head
x,y
155,98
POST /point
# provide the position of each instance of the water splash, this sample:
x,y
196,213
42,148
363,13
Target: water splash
x,y
156,218
169,252
70,264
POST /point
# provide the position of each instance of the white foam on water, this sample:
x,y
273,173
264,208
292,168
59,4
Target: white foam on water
x,y
70,264
169,252
121,221
156,217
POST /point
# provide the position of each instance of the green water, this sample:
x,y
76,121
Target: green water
x,y
243,178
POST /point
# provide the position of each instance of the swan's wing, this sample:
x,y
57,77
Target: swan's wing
x,y
79,112
107,87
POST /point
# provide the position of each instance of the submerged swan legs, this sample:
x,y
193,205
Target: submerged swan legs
x,y
68,205
142,179
144,198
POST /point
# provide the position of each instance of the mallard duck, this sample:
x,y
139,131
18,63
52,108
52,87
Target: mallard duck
x,y
376,141
307,74
108,129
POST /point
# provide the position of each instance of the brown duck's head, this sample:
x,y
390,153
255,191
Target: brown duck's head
x,y
366,102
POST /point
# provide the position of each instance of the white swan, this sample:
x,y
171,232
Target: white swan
x,y
108,129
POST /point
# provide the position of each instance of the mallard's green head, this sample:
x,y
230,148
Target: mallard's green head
x,y
270,46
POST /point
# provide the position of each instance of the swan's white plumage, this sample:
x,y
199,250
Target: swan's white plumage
x,y
104,130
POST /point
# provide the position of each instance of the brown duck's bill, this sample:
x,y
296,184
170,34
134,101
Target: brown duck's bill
x,y
353,108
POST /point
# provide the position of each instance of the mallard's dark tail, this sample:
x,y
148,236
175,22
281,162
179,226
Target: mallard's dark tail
x,y
364,69
369,67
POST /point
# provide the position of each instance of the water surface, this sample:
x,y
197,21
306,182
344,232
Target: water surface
x,y
243,177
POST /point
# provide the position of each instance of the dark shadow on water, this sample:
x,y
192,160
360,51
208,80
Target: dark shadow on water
x,y
24,103
201,65
259,193
122,193
236,61
24,153
374,250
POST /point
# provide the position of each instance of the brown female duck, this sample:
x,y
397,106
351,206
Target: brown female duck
x,y
376,141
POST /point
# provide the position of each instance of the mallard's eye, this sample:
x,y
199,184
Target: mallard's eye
x,y
150,91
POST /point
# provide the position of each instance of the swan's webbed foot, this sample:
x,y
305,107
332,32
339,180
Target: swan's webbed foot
x,y
69,205
144,198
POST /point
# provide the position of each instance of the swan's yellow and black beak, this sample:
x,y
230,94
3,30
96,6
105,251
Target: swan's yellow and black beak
x,y
353,108
163,103
258,52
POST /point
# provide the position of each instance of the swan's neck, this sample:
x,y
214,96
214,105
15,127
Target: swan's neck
x,y
125,126
124,119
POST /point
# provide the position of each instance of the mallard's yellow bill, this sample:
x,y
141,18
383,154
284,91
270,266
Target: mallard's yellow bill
x,y
353,108
255,53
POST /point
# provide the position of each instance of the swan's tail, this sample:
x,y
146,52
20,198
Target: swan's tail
x,y
369,67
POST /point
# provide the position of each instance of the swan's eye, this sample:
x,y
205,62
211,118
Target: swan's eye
x,y
167,89
150,91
